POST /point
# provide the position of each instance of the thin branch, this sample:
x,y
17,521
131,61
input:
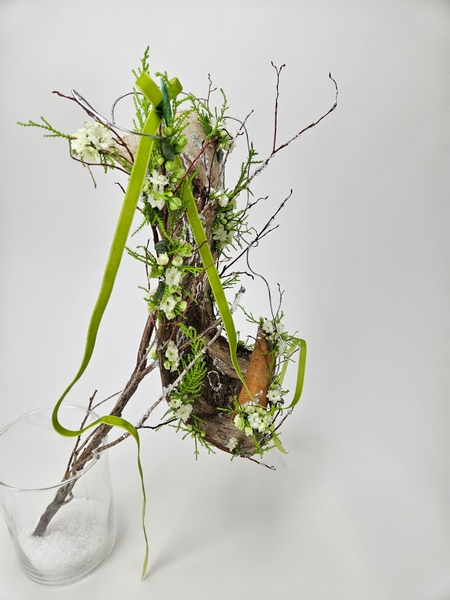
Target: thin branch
x,y
259,235
285,144
277,96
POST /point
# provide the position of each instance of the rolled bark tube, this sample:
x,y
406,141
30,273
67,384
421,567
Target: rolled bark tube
x,y
258,373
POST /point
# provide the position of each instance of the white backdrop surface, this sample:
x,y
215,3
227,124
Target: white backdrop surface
x,y
359,508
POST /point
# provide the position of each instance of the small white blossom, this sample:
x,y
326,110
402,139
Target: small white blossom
x,y
184,412
254,420
100,136
168,304
158,180
156,201
175,403
220,233
173,277
232,444
280,327
89,140
223,200
268,327
274,395
171,352
90,155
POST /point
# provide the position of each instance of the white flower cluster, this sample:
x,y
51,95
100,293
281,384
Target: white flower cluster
x,y
169,270
224,227
253,418
87,143
274,333
182,410
221,197
158,191
172,358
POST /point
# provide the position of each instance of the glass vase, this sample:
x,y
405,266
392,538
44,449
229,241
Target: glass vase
x,y
81,532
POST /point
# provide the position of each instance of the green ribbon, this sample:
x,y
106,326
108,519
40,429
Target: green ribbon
x,y
138,172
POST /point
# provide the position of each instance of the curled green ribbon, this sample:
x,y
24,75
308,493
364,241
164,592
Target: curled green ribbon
x,y
138,172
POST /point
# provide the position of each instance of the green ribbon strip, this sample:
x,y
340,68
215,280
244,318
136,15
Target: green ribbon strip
x,y
138,172
211,272
300,370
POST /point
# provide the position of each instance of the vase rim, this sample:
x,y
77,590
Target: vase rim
x,y
87,467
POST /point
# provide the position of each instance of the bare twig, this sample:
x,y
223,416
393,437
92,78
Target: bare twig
x,y
277,96
275,150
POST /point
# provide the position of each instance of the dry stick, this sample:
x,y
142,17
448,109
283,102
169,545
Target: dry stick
x,y
285,144
79,459
277,97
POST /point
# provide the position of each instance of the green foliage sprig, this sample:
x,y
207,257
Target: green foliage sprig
x,y
54,133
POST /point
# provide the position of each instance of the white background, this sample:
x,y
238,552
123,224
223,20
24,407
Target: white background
x,y
359,508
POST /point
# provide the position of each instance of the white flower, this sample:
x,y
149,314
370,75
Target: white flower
x,y
274,395
90,155
168,304
280,327
223,200
254,420
99,135
87,141
281,345
232,443
220,233
162,259
158,180
268,327
175,403
184,412
82,147
156,201
268,419
171,352
173,277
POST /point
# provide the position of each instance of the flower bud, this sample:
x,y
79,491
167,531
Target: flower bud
x,y
174,203
185,250
182,306
180,144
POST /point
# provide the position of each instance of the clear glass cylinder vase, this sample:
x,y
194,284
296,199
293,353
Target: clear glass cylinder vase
x,y
81,533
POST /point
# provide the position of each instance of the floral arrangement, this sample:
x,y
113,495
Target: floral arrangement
x,y
223,392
